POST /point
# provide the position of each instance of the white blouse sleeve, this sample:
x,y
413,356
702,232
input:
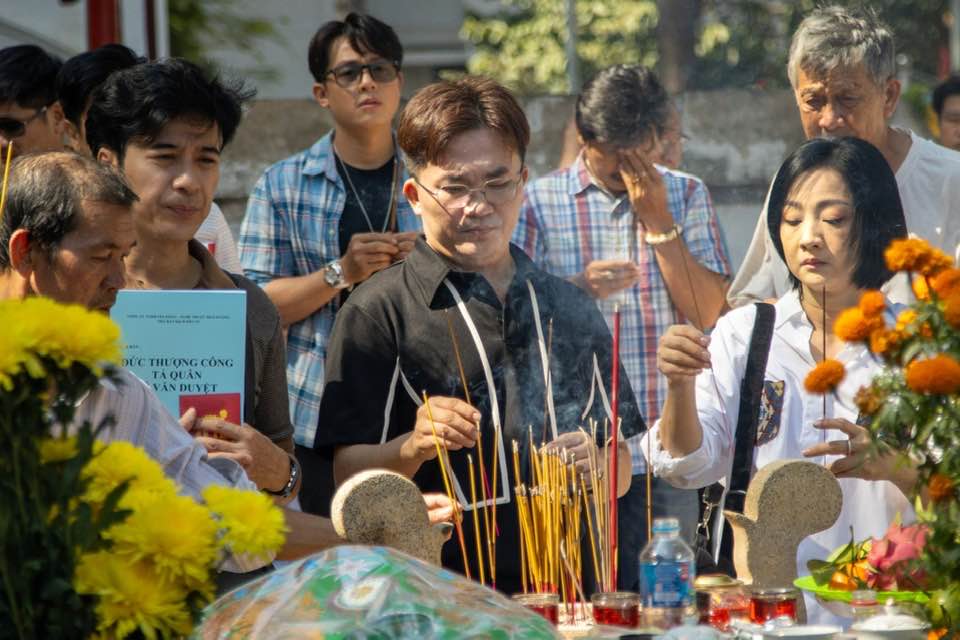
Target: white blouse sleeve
x,y
718,404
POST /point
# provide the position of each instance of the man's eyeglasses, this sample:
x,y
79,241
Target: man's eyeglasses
x,y
14,127
347,75
457,196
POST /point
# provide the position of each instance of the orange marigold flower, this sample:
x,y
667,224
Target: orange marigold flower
x,y
872,303
905,319
941,487
907,254
921,288
853,326
951,310
936,263
882,340
926,330
824,377
946,282
868,401
939,374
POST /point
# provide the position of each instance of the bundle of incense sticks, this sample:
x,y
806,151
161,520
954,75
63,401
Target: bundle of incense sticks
x,y
550,512
611,583
488,495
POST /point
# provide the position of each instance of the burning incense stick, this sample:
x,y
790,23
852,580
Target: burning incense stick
x,y
441,456
476,520
614,446
6,178
548,380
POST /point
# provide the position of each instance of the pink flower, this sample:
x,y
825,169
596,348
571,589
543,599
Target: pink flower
x,y
894,559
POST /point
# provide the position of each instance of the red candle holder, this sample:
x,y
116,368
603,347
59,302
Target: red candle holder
x,y
616,608
767,604
545,604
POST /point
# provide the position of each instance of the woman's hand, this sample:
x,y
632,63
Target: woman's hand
x,y
857,461
683,354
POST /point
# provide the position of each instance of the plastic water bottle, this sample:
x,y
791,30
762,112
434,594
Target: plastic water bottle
x,y
667,570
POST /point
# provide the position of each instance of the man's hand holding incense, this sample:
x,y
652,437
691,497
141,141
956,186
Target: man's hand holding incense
x,y
368,253
405,241
581,447
454,423
603,278
265,463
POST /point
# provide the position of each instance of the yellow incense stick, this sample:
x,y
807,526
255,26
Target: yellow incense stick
x,y
476,520
493,513
6,178
446,484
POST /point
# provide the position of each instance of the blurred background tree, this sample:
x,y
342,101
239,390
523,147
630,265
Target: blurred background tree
x,y
199,27
695,44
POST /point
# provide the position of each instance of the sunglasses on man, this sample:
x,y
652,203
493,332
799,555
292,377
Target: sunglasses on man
x,y
382,71
14,127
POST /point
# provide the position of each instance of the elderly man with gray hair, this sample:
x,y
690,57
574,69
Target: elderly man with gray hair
x,y
842,70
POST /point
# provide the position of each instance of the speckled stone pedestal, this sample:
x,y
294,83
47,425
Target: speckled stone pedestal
x,y
383,508
787,501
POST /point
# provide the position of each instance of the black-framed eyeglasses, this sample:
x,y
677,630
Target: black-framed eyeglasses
x,y
347,75
15,127
457,196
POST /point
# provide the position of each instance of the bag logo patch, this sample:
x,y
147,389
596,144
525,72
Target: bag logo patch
x,y
771,407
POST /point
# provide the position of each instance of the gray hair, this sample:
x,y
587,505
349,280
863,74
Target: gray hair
x,y
47,192
834,37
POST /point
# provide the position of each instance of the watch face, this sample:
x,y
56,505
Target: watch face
x,y
333,275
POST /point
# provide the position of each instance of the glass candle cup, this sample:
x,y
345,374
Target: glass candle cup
x,y
769,603
546,604
616,608
721,599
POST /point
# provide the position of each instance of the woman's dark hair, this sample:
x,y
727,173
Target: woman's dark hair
x,y
135,104
622,105
877,212
83,73
365,33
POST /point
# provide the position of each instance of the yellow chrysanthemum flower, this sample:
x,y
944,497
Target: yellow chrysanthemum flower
x,y
120,461
251,522
174,532
132,596
64,333
57,449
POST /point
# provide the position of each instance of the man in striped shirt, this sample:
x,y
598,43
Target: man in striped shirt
x,y
633,234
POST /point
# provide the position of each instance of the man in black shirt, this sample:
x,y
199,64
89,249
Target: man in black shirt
x,y
464,143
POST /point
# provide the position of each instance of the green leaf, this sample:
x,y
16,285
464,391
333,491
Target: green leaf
x,y
821,571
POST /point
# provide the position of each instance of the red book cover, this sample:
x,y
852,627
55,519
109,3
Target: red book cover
x,y
220,405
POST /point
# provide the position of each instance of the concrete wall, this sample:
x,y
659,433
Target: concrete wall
x,y
737,140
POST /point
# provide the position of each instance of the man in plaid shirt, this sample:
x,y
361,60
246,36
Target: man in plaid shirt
x,y
327,218
635,235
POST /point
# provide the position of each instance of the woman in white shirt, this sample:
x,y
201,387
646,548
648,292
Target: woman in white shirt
x,y
834,208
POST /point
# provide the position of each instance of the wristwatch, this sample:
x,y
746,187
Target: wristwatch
x,y
333,275
291,481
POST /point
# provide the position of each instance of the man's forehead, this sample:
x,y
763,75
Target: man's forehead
x,y
341,51
184,130
838,79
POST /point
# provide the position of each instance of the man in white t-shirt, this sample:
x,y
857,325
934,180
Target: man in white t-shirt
x,y
842,69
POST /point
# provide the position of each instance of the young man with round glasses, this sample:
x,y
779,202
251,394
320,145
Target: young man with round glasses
x,y
464,284
30,116
325,219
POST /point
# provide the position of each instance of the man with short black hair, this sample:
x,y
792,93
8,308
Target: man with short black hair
x,y
465,143
30,116
634,233
842,67
325,219
946,104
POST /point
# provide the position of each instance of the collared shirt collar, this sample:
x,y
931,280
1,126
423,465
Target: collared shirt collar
x,y
211,275
430,269
321,159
